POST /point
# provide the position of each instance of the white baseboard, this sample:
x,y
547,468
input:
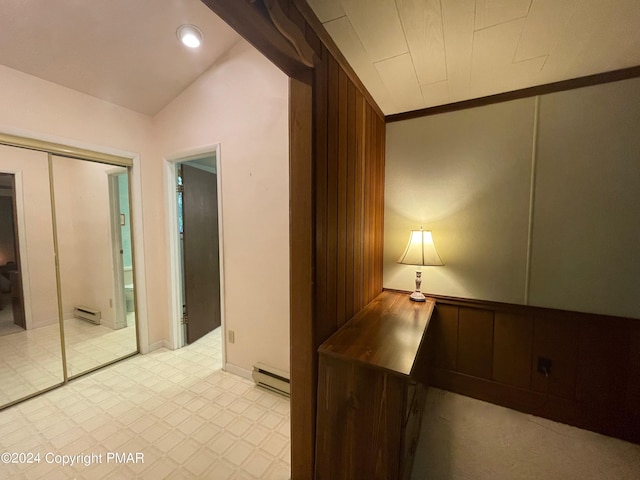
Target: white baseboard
x,y
241,372
43,323
157,345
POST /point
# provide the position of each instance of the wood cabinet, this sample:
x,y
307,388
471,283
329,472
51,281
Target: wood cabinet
x,y
371,391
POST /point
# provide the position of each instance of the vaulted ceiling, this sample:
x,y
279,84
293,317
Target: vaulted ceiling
x,y
123,51
410,54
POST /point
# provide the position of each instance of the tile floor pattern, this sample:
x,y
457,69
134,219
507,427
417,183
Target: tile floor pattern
x,y
189,419
31,360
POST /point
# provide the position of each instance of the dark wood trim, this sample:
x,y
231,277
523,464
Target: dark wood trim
x,y
334,51
539,404
573,83
303,369
511,307
248,21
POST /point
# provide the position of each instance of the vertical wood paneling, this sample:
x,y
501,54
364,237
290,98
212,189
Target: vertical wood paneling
x,y
475,342
358,258
443,338
378,196
555,338
513,340
632,397
323,331
351,201
601,380
333,108
594,379
341,279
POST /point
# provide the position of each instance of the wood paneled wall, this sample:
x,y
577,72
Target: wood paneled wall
x,y
349,135
349,182
337,135
491,351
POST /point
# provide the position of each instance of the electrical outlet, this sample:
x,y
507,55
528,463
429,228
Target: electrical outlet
x,y
544,366
231,335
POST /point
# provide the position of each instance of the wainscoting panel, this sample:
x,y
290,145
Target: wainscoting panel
x,y
512,347
475,334
576,368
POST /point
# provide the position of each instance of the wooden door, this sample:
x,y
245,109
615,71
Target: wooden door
x,y
201,259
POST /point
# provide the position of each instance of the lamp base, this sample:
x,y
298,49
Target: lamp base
x,y
417,297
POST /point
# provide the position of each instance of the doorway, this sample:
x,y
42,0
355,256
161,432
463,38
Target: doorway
x,y
196,246
12,316
122,251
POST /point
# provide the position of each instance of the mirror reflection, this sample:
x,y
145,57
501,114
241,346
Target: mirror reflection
x,y
30,346
95,261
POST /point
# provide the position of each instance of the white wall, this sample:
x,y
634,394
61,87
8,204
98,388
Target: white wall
x,y
242,103
463,175
466,439
487,183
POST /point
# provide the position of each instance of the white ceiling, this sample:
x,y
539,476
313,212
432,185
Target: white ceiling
x,y
412,54
123,51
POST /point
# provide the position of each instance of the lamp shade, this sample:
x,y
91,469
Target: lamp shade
x,y
420,250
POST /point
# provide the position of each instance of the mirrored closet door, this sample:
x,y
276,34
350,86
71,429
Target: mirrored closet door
x,y
58,322
92,220
30,340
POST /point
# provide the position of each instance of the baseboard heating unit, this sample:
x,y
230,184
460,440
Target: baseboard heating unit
x,y
271,379
88,314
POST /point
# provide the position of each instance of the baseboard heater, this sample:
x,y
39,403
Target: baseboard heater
x,y
88,314
271,379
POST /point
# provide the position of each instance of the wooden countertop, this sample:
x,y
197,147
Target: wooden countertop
x,y
386,334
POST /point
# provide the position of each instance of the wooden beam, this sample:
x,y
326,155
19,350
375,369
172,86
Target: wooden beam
x,y
596,79
301,227
290,31
246,19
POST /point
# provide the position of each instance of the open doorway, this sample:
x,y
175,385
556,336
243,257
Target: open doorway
x,y
124,294
12,317
196,246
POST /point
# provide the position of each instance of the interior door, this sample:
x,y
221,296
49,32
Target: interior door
x,y
201,259
15,278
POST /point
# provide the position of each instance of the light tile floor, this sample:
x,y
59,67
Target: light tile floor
x,y
186,416
31,360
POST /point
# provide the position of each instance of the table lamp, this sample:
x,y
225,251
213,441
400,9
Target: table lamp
x,y
420,251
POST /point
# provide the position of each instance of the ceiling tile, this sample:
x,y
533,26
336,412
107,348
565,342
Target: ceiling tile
x,y
492,66
422,22
463,49
326,10
435,93
543,27
349,44
377,24
399,77
586,20
494,12
457,20
603,50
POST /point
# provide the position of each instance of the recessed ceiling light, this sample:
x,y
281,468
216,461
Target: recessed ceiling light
x,y
190,35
